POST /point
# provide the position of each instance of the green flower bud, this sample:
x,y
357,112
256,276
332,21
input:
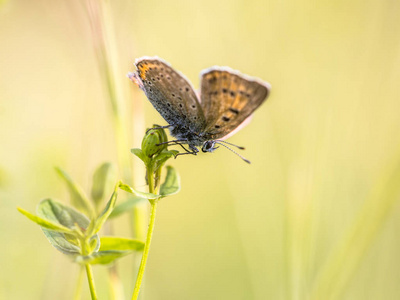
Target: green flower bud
x,y
163,136
150,141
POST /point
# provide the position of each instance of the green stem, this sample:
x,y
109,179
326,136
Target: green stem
x,y
150,179
152,189
146,250
89,274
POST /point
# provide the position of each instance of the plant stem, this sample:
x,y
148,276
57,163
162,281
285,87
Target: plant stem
x,y
89,274
146,250
152,189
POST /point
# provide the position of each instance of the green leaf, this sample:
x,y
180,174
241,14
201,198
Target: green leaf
x,y
102,218
171,184
101,257
94,243
167,154
139,153
78,197
128,189
103,182
163,157
125,206
44,223
59,213
67,243
119,243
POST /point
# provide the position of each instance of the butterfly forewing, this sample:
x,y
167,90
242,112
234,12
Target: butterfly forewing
x,y
170,93
229,98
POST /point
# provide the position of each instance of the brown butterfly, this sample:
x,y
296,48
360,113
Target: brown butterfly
x,y
226,102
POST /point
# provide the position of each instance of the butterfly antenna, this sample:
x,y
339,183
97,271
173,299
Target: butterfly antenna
x,y
239,147
246,160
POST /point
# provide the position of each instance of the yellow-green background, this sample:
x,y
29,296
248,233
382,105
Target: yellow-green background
x,y
316,213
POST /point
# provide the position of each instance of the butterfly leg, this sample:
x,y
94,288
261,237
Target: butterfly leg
x,y
193,153
187,151
180,143
158,127
173,142
193,148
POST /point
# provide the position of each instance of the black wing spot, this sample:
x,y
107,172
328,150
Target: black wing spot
x,y
193,106
224,91
149,82
241,92
150,90
217,126
212,79
187,89
234,110
179,98
248,95
194,118
153,79
169,104
169,78
226,119
173,95
232,94
150,68
180,105
158,78
161,75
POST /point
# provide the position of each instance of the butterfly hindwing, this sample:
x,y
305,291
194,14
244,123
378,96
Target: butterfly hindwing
x,y
170,93
228,98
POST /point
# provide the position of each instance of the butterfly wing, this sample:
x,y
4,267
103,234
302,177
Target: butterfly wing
x,y
228,98
170,93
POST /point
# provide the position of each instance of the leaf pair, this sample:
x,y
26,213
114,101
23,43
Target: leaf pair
x,y
103,181
170,186
69,231
63,226
111,249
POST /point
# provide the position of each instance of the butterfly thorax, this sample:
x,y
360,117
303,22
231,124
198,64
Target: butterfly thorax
x,y
185,134
192,139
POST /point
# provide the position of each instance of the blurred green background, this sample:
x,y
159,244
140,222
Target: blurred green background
x,y
314,217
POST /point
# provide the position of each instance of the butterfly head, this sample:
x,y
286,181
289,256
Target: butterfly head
x,y
209,146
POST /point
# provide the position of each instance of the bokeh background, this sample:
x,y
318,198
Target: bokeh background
x,y
315,216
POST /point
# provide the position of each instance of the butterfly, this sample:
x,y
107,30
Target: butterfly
x,y
225,104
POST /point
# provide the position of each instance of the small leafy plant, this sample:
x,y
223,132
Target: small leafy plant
x,y
75,231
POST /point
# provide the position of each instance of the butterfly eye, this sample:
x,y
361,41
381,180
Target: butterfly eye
x,y
208,146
